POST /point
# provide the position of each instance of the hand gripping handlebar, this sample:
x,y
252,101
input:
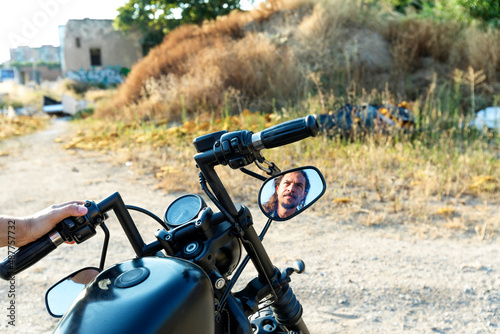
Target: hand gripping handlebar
x,y
70,229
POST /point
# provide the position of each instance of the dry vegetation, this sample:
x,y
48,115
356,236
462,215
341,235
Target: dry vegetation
x,y
293,58
372,181
14,96
278,55
20,125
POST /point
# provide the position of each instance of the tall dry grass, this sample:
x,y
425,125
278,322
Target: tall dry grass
x,y
437,183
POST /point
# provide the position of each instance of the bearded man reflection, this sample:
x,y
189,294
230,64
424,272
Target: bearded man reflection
x,y
289,196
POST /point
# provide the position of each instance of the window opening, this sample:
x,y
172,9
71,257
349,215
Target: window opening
x,y
95,57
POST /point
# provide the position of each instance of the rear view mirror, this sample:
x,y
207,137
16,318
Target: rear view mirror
x,y
289,193
61,295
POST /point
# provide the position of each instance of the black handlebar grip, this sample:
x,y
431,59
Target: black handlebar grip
x,y
286,133
27,255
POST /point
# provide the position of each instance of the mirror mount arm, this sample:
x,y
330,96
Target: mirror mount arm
x,y
253,174
271,168
264,229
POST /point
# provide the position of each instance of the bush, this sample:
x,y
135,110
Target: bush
x,y
486,11
84,113
77,87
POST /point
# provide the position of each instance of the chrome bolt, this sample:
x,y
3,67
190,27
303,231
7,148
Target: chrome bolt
x,y
191,248
219,284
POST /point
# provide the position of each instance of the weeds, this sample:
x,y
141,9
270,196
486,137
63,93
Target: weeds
x,y
20,125
424,178
282,53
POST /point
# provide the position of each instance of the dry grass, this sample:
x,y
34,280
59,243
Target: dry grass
x,y
153,147
20,125
372,181
482,52
12,96
195,63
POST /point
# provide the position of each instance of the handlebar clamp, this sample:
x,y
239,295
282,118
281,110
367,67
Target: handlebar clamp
x,y
235,149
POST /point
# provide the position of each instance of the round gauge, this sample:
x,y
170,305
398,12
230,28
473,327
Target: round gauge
x,y
183,210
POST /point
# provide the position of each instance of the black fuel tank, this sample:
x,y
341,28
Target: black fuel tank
x,y
146,295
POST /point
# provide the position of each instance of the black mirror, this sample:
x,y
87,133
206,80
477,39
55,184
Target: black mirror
x,y
62,294
289,193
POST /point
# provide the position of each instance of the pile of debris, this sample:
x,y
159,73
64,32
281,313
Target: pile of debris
x,y
361,119
487,120
69,106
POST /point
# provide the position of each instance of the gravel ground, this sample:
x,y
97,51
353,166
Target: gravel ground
x,y
357,280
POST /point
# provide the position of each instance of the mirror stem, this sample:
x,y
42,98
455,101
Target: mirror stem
x,y
264,230
253,174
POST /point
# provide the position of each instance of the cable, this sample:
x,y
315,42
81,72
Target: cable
x,y
150,214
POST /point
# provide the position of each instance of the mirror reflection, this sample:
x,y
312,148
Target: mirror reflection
x,y
289,193
62,294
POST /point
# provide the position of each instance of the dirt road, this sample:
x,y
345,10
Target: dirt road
x,y
357,280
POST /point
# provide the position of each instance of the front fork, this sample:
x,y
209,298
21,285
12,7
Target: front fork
x,y
286,308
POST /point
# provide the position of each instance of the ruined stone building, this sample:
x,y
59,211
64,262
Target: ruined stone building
x,y
33,64
25,54
93,51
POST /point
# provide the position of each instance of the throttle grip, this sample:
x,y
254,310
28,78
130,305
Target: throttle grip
x,y
286,133
27,255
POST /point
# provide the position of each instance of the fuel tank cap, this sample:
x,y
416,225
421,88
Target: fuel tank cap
x,y
131,277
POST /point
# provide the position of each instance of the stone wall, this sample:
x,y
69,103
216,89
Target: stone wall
x,y
91,46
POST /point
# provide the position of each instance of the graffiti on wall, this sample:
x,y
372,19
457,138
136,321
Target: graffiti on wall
x,y
106,76
7,74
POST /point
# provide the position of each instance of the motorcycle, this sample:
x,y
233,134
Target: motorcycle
x,y
183,281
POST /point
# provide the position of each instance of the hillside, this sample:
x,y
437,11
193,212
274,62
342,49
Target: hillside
x,y
281,54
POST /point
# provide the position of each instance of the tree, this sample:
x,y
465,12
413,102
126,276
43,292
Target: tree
x,y
486,11
155,18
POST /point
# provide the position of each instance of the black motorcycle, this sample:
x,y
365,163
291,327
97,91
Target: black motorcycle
x,y
183,281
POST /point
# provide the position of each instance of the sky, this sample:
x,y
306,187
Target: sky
x,y
35,22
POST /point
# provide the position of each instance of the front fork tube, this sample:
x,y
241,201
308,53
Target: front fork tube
x,y
233,319
287,309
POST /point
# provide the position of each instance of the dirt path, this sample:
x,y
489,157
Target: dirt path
x,y
357,280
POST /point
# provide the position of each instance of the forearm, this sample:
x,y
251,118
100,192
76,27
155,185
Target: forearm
x,y
12,231
19,231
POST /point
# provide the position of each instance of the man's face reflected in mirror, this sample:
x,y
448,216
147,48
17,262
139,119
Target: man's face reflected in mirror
x,y
290,193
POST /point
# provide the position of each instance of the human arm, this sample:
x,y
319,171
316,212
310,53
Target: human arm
x,y
23,230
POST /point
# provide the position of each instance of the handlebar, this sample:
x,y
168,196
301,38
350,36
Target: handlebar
x,y
285,133
234,149
27,255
